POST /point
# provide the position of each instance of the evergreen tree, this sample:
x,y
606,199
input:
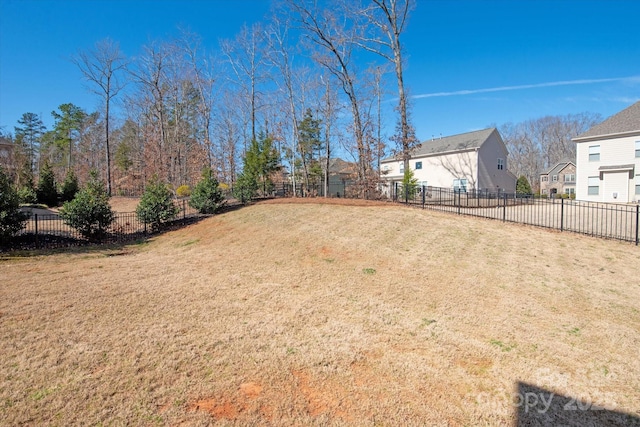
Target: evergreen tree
x,y
310,144
11,219
260,162
46,192
68,125
409,185
69,187
28,136
156,205
89,212
207,197
523,186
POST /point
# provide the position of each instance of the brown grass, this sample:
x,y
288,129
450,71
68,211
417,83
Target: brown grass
x,y
311,314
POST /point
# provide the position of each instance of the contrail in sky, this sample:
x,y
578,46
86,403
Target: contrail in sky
x,y
530,86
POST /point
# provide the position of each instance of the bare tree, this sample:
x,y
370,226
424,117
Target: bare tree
x,y
335,39
102,66
536,145
204,80
244,54
390,18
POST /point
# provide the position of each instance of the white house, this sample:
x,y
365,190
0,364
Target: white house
x,y
473,160
608,159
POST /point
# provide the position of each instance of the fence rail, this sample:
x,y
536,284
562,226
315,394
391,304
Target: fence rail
x,y
50,231
606,220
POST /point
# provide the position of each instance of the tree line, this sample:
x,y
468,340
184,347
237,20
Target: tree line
x,y
296,79
274,102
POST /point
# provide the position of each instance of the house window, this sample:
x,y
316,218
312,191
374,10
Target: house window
x,y
570,190
638,185
594,186
460,185
637,148
594,153
418,165
555,178
500,164
402,167
544,191
569,177
545,178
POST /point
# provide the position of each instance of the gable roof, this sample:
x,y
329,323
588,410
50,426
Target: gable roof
x,y
626,121
448,144
557,168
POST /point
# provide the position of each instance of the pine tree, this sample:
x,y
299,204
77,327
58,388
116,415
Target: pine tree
x,y
11,219
206,197
47,192
156,206
89,212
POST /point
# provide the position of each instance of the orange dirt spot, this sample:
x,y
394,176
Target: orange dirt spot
x,y
217,409
251,390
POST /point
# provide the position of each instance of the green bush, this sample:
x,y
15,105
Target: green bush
x,y
246,187
46,192
523,186
409,185
27,195
69,187
207,197
89,212
11,219
156,205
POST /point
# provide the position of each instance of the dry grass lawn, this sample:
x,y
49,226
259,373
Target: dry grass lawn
x,y
315,314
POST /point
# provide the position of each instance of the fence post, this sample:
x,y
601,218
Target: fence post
x,y
424,189
562,214
459,202
184,210
504,207
35,216
637,222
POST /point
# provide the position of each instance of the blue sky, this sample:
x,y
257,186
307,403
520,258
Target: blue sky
x,y
470,64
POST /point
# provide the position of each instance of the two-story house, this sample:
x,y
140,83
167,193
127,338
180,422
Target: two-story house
x,y
473,160
560,179
608,159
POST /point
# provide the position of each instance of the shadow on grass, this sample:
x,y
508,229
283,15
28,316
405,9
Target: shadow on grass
x,y
539,407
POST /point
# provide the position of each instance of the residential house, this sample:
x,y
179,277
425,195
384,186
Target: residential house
x,y
608,159
473,160
560,179
6,154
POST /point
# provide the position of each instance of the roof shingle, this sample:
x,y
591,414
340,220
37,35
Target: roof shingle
x,y
627,120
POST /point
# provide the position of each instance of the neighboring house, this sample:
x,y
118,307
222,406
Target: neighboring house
x,y
474,160
560,179
608,159
341,174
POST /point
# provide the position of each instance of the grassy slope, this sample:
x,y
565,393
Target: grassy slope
x,y
315,313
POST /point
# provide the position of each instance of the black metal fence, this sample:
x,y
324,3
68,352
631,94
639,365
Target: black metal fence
x,y
606,220
50,231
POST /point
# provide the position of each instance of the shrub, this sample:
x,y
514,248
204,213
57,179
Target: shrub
x,y
409,185
69,187
183,191
11,219
156,205
523,186
27,194
46,192
207,197
246,187
89,212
